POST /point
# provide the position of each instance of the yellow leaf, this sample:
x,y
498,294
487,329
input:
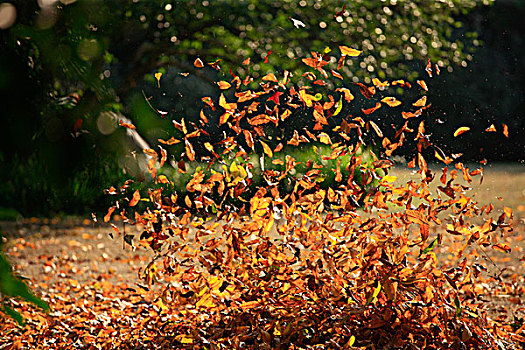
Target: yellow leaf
x,y
348,51
157,76
184,339
351,341
377,290
461,130
389,179
267,149
324,138
339,106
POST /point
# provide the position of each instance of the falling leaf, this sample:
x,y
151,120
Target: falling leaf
x,y
372,110
158,76
266,149
376,128
224,85
347,51
267,55
347,94
461,130
505,130
126,125
423,84
135,199
336,74
428,68
339,106
421,102
270,77
491,128
324,138
340,13
380,84
502,247
108,215
275,97
391,101
198,63
367,92
190,153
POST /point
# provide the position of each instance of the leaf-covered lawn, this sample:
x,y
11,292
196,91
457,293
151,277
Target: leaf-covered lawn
x,y
98,301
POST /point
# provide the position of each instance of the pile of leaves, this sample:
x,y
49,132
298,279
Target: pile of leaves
x,y
289,262
292,264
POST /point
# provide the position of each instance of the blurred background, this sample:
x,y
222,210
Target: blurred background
x,y
70,70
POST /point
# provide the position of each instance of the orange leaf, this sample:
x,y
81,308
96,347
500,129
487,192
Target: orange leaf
x,y
428,68
380,84
135,199
423,84
169,142
348,95
372,110
367,92
391,101
336,74
270,77
461,130
491,128
421,102
189,150
126,125
376,129
108,215
505,130
224,85
249,139
198,63
502,247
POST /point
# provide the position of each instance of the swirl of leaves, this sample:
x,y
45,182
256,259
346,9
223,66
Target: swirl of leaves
x,y
260,250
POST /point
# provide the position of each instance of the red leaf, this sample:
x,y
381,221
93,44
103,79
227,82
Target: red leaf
x,y
267,55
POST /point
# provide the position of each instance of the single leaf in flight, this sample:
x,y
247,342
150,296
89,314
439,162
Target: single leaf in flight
x,y
267,55
461,130
491,128
421,102
224,85
348,51
505,130
372,110
391,101
198,63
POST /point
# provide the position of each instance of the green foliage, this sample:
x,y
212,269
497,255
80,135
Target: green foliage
x,y
13,287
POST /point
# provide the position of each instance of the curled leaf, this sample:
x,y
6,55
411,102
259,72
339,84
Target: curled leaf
x,y
461,130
